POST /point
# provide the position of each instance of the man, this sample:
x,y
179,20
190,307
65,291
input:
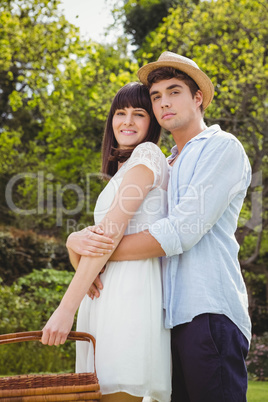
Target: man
x,y
205,297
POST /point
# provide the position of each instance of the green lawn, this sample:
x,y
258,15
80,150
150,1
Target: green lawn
x,y
257,391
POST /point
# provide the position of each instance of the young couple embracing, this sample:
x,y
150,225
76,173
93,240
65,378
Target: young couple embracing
x,y
172,328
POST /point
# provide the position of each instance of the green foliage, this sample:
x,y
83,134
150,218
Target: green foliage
x,y
257,284
228,40
139,18
257,360
10,140
55,95
67,150
22,251
167,34
26,306
33,39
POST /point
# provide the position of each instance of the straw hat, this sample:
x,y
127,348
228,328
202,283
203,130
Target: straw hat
x,y
188,66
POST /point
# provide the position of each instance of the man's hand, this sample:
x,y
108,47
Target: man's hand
x,y
96,287
90,242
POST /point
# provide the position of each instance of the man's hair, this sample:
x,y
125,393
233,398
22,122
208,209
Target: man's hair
x,y
166,73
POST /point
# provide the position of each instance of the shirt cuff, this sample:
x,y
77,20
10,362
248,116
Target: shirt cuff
x,y
164,232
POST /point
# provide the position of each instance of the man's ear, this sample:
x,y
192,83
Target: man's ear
x,y
199,98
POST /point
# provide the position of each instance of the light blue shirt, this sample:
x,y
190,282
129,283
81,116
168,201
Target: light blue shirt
x,y
207,186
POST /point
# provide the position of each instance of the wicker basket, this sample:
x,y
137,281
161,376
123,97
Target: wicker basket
x,y
49,387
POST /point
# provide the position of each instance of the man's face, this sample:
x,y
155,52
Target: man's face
x,y
173,104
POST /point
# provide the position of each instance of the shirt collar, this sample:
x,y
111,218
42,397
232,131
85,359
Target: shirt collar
x,y
207,133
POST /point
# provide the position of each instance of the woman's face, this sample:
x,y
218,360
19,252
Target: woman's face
x,y
130,126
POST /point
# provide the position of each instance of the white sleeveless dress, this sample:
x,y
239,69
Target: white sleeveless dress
x,y
132,346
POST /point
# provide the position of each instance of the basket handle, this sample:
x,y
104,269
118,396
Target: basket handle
x,y
37,335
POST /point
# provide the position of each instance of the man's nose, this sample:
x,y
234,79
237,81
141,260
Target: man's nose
x,y
165,101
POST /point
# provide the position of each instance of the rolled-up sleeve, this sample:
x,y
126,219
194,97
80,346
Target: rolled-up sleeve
x,y
220,176
166,234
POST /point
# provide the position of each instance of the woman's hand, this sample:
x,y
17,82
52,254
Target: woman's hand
x,y
57,328
90,242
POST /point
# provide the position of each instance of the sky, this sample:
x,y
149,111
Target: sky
x,y
91,16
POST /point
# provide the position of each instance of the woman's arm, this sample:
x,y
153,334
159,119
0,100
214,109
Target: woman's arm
x,y
135,185
74,258
88,242
137,246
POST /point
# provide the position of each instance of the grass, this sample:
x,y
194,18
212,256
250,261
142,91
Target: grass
x,y
257,391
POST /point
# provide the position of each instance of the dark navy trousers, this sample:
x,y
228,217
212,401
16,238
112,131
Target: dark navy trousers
x,y
208,357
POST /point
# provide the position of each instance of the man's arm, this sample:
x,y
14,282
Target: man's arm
x,y
137,246
223,171
221,175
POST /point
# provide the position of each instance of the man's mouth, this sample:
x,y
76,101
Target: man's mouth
x,y
167,115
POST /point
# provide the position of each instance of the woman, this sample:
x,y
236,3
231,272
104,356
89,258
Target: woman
x,y
132,347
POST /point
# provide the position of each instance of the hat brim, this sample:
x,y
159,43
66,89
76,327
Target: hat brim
x,y
196,74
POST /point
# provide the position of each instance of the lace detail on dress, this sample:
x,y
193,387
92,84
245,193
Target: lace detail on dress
x,y
150,155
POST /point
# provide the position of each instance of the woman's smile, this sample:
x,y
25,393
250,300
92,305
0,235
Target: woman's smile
x,y
128,132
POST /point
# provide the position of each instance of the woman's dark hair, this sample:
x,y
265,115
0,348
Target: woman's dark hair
x,y
134,95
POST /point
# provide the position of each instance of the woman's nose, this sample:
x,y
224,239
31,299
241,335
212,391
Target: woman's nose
x,y
128,120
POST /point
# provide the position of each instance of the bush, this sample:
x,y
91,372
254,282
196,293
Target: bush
x,y
21,251
257,361
26,305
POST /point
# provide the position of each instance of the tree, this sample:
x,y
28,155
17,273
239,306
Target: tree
x,y
34,39
140,17
55,95
75,116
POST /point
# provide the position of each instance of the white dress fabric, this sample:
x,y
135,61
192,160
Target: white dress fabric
x,y
132,346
